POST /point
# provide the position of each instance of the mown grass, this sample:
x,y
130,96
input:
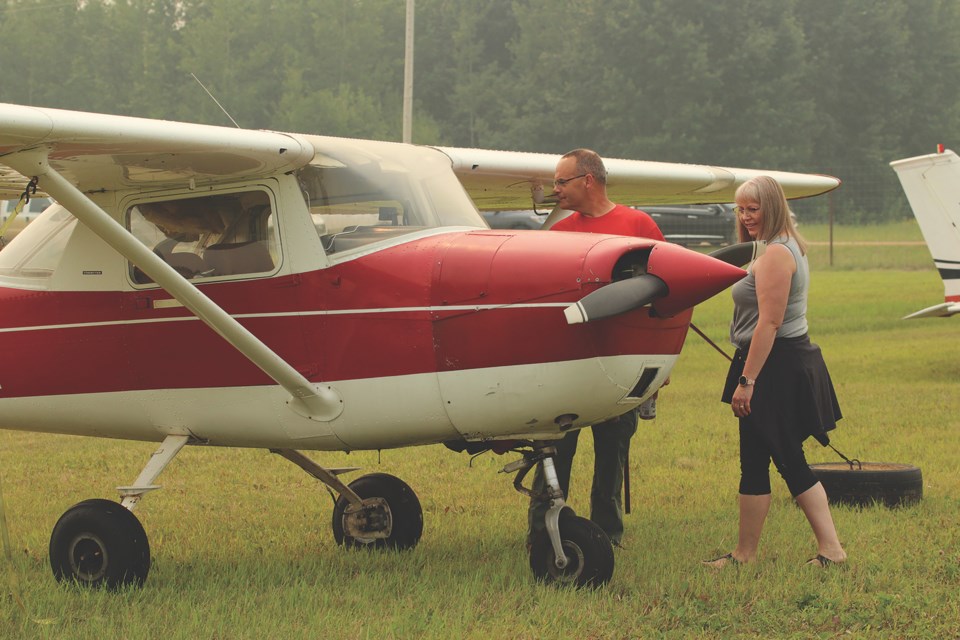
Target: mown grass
x,y
902,231
896,245
243,549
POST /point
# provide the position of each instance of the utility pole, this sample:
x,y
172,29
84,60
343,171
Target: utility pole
x,y
408,78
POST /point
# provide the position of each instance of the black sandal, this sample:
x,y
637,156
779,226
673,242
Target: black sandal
x,y
729,560
820,561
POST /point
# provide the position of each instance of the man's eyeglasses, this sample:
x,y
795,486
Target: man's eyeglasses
x,y
562,182
745,210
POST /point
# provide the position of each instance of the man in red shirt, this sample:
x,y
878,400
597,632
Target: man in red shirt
x,y
585,193
580,184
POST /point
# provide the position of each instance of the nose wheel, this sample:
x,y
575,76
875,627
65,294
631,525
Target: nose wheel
x,y
587,548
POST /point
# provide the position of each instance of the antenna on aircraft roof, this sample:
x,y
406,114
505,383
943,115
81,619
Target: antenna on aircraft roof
x,y
215,100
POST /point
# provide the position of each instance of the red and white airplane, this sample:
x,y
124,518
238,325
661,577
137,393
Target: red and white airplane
x,y
932,186
210,286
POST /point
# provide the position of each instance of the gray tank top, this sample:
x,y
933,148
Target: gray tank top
x,y
746,311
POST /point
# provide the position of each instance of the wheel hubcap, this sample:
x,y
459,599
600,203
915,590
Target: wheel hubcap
x,y
371,522
88,557
574,567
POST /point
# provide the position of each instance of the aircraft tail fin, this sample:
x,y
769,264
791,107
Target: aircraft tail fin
x,y
932,186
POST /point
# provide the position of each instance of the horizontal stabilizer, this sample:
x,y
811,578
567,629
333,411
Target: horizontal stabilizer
x,y
942,310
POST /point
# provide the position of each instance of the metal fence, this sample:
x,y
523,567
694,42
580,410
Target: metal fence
x,y
870,194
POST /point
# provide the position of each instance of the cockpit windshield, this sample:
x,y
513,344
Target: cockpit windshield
x,y
361,192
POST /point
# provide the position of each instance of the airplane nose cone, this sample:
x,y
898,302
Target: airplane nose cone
x,y
691,277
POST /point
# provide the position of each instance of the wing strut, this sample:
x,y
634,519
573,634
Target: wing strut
x,y
317,402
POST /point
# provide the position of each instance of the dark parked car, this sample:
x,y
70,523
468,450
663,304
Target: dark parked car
x,y
686,224
693,224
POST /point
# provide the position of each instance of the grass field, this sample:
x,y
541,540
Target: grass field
x,y
242,545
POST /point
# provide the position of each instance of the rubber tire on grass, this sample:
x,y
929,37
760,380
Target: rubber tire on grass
x,y
587,548
887,483
406,513
99,543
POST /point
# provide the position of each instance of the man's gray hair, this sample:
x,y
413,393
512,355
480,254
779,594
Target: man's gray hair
x,y
589,161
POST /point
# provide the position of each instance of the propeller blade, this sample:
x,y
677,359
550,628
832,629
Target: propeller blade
x,y
741,253
615,298
555,215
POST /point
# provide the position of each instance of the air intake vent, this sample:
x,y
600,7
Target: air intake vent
x,y
645,379
631,265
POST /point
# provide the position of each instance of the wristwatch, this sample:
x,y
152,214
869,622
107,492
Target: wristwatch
x,y
746,382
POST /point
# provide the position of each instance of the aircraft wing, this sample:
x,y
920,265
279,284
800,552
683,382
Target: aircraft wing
x,y
105,152
505,180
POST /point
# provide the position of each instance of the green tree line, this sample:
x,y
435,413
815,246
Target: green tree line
x,y
831,86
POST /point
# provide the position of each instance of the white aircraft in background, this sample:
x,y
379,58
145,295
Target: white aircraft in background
x,y
932,186
225,287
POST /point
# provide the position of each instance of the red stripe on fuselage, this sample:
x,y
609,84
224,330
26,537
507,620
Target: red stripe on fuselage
x,y
398,311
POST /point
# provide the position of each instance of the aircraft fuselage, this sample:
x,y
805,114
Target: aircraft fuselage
x,y
448,336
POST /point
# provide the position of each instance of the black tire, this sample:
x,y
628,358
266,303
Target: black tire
x,y
99,543
403,512
890,484
587,548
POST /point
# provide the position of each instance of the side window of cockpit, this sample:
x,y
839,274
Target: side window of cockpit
x,y
36,252
214,236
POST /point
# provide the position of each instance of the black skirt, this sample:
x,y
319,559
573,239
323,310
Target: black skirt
x,y
793,396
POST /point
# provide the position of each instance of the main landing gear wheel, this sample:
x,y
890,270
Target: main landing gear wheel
x,y
588,550
391,516
99,543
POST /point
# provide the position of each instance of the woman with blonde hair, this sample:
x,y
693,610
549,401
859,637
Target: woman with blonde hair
x,y
778,384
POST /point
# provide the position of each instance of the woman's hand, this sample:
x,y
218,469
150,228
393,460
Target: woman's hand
x,y
741,401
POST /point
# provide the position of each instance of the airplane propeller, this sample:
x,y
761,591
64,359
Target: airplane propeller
x,y
741,253
616,298
667,292
555,214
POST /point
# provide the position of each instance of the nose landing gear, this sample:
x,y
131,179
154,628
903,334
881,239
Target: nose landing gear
x,y
571,550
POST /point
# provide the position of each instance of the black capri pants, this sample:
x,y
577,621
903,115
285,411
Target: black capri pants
x,y
755,457
793,398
